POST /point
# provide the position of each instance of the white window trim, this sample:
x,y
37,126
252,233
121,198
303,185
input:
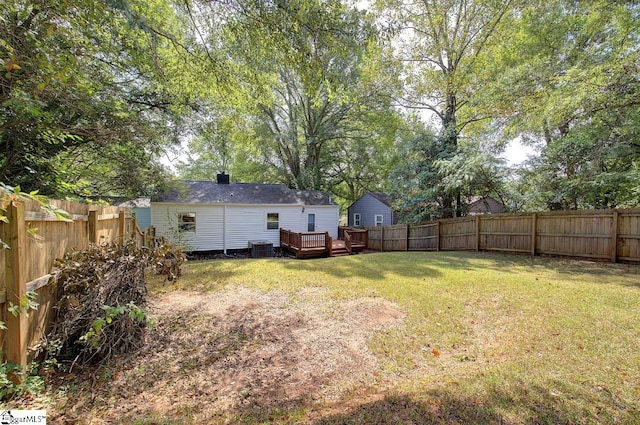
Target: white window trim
x,y
381,223
186,226
267,220
315,226
356,219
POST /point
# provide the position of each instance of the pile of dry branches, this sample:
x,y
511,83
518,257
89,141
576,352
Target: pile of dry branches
x,y
101,302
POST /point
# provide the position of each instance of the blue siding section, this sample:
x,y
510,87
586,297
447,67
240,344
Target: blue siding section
x,y
368,207
143,217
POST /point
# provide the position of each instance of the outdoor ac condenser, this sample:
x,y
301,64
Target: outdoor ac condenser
x,y
260,249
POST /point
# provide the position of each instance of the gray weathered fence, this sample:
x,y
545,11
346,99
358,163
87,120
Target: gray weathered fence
x,y
612,235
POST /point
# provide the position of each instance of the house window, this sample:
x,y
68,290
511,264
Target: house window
x,y
378,219
356,219
311,223
273,221
187,222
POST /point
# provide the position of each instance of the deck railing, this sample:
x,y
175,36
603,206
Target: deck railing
x,y
359,236
355,239
306,244
348,242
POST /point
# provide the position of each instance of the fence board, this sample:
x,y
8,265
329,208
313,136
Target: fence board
x,y
375,238
16,343
593,234
395,238
508,233
458,234
579,235
54,238
423,237
628,241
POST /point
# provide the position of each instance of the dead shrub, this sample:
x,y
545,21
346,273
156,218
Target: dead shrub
x,y
102,297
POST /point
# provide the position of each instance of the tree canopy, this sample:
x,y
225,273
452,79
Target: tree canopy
x,y
416,99
442,44
86,101
570,85
311,107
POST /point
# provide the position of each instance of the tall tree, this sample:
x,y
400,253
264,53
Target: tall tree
x,y
427,167
311,104
442,42
567,81
86,89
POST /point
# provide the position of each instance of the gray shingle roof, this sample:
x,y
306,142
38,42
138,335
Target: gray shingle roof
x,y
208,192
136,203
382,197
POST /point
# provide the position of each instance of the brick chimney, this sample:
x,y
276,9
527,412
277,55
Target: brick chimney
x,y
223,178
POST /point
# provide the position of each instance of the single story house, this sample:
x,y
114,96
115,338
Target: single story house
x,y
221,216
372,209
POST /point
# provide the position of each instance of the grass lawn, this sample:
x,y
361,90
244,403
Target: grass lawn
x,y
487,338
484,338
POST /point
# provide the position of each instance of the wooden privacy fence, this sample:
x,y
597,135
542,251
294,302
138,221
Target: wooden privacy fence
x,y
28,262
612,235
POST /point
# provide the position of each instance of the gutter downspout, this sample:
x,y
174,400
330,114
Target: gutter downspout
x,y
224,229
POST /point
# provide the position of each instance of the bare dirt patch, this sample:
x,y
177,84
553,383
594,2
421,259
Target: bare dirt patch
x,y
237,353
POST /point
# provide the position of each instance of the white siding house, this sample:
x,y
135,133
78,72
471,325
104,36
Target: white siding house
x,y
224,216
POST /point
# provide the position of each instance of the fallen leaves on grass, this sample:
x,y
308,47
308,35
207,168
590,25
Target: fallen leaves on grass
x,y
236,354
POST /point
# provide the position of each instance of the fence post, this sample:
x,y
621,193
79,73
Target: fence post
x,y
477,233
534,224
16,286
93,226
122,224
147,237
614,236
407,241
381,238
438,235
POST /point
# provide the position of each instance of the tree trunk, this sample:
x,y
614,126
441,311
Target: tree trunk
x,y
450,139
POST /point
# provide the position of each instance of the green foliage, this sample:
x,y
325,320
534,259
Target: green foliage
x,y
431,173
308,92
27,302
86,92
313,109
442,45
566,81
582,174
28,381
93,336
418,194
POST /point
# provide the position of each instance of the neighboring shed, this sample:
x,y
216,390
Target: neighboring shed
x,y
372,209
485,205
221,216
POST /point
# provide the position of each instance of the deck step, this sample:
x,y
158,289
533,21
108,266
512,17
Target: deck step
x,y
339,252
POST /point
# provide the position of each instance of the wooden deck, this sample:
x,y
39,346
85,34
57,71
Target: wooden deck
x,y
316,244
304,245
338,247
